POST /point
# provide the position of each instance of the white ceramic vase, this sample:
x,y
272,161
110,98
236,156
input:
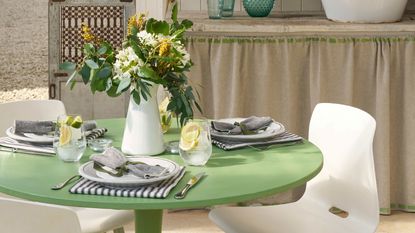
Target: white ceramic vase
x,y
142,133
364,11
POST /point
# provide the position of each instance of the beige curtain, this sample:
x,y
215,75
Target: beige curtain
x,y
286,77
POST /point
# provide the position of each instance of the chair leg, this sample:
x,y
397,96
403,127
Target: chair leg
x,y
119,230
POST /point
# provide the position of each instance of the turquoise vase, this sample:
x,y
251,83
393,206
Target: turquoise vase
x,y
258,8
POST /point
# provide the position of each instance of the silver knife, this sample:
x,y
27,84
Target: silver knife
x,y
17,150
190,183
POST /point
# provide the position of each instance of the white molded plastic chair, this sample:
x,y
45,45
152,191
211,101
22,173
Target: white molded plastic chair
x,y
42,110
18,216
347,181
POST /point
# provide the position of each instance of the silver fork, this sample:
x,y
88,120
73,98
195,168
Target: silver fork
x,y
266,147
63,184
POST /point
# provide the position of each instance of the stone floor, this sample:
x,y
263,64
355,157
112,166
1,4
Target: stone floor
x,y
197,221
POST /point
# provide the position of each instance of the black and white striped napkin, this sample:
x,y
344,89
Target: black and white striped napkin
x,y
158,190
231,145
95,133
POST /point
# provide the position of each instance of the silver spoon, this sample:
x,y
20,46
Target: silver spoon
x,y
63,184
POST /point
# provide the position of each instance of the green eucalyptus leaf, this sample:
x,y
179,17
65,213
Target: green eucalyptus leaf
x,y
143,94
102,50
136,97
71,78
72,84
104,73
198,107
91,64
89,49
85,73
124,84
92,77
137,49
147,72
112,91
68,66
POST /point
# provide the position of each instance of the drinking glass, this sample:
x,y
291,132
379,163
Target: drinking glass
x,y
215,8
195,145
69,139
227,9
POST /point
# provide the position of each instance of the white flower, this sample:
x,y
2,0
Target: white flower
x,y
147,38
185,59
127,63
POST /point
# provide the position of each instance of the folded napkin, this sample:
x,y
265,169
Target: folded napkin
x,y
157,190
116,160
248,126
45,127
95,133
36,127
231,145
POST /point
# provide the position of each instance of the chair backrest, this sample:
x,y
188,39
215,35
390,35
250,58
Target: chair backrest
x,y
345,135
19,216
29,110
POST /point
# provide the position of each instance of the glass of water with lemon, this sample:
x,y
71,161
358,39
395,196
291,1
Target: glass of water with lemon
x,y
69,140
195,146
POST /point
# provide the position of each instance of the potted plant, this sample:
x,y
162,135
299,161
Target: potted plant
x,y
153,54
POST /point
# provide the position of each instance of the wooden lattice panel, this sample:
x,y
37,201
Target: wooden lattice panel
x,y
106,22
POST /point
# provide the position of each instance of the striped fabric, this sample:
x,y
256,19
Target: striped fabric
x,y
158,190
17,146
95,133
231,145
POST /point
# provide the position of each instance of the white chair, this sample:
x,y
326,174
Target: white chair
x,y
18,216
44,110
347,181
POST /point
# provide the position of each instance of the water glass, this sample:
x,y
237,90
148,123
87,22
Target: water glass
x,y
215,8
69,139
195,146
227,9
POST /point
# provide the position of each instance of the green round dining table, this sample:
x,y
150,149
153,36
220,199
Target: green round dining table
x,y
231,177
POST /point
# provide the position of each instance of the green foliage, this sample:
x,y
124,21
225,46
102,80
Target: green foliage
x,y
161,61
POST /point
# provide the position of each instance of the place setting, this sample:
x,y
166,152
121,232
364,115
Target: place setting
x,y
52,137
259,133
111,173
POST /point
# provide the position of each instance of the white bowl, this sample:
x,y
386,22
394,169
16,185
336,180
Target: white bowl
x,y
364,11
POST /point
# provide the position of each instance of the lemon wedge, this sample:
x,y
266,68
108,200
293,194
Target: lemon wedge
x,y
65,135
190,136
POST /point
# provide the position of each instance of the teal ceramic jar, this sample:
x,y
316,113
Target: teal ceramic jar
x,y
258,8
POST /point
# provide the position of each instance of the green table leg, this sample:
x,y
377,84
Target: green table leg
x,y
148,221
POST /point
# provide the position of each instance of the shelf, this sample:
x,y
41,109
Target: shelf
x,y
313,25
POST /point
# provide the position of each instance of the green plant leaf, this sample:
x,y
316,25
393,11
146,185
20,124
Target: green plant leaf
x,y
68,66
71,78
104,73
124,84
187,23
174,12
85,73
147,72
112,91
91,64
89,49
161,27
136,48
136,97
149,25
102,50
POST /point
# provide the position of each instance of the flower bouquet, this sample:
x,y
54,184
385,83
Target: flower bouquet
x,y
152,54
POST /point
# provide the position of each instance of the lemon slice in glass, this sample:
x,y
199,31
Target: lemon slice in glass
x,y
77,122
65,135
190,136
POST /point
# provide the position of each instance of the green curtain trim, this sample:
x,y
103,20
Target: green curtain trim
x,y
267,40
407,208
